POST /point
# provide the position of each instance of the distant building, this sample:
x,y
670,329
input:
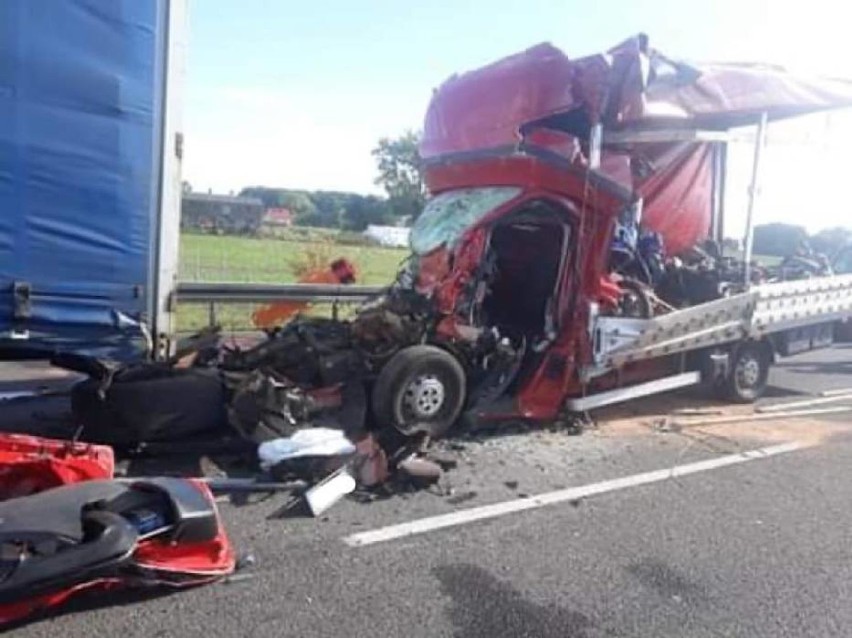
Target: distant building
x,y
278,217
221,213
395,236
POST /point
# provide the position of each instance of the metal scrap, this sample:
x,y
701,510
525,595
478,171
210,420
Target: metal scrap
x,y
419,472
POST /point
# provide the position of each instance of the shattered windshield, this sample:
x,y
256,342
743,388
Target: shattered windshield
x,y
447,215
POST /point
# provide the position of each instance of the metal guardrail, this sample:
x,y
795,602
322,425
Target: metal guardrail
x,y
213,294
200,293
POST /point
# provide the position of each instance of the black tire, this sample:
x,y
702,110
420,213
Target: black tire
x,y
749,372
421,390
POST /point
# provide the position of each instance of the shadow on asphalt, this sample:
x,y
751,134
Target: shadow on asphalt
x,y
483,606
94,600
666,581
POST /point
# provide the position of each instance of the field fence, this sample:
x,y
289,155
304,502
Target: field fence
x,y
197,266
223,266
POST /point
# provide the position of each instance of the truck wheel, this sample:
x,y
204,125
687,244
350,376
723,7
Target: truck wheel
x,y
749,372
421,389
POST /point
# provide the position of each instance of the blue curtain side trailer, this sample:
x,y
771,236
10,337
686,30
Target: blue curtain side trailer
x,y
90,155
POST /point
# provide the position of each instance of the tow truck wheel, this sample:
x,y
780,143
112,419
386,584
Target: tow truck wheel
x,y
420,390
749,372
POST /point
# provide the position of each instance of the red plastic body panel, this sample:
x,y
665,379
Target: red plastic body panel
x,y
158,561
30,464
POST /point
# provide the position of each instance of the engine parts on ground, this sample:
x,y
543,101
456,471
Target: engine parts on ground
x,y
103,535
306,351
265,406
398,319
30,464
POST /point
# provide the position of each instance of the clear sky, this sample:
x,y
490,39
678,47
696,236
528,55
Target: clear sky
x,y
295,93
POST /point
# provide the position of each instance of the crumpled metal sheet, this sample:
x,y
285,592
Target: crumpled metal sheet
x,y
541,104
630,84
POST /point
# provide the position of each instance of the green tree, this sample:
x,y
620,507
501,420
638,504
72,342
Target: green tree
x,y
830,240
299,202
778,239
362,211
398,161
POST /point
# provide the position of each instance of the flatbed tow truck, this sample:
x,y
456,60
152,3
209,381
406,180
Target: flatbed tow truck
x,y
544,173
565,258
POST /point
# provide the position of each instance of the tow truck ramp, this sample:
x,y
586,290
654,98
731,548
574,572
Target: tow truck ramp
x,y
762,310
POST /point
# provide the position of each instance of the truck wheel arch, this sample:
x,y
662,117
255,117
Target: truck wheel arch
x,y
422,389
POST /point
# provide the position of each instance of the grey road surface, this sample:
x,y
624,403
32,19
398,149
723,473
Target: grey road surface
x,y
763,548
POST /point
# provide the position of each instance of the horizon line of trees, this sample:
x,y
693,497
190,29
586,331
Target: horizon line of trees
x,y
398,163
399,175
780,239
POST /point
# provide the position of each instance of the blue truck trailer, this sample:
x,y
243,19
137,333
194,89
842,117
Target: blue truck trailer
x,y
90,155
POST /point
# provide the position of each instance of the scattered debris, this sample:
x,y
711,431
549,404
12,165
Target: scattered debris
x,y
666,425
445,464
245,561
238,578
227,486
574,423
419,472
30,464
329,491
698,412
371,462
462,498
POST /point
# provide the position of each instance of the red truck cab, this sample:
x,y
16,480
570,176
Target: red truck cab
x,y
513,251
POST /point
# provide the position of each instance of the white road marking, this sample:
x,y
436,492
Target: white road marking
x,y
835,392
742,418
463,517
783,407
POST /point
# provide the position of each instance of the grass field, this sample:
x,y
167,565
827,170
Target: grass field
x,y
258,260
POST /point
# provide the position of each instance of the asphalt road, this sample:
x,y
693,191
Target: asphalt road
x,y
761,548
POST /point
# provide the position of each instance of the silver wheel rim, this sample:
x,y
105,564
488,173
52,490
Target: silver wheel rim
x,y
748,371
424,396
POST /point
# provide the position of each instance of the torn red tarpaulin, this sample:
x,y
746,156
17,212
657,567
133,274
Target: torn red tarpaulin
x,y
30,464
631,84
542,105
675,183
